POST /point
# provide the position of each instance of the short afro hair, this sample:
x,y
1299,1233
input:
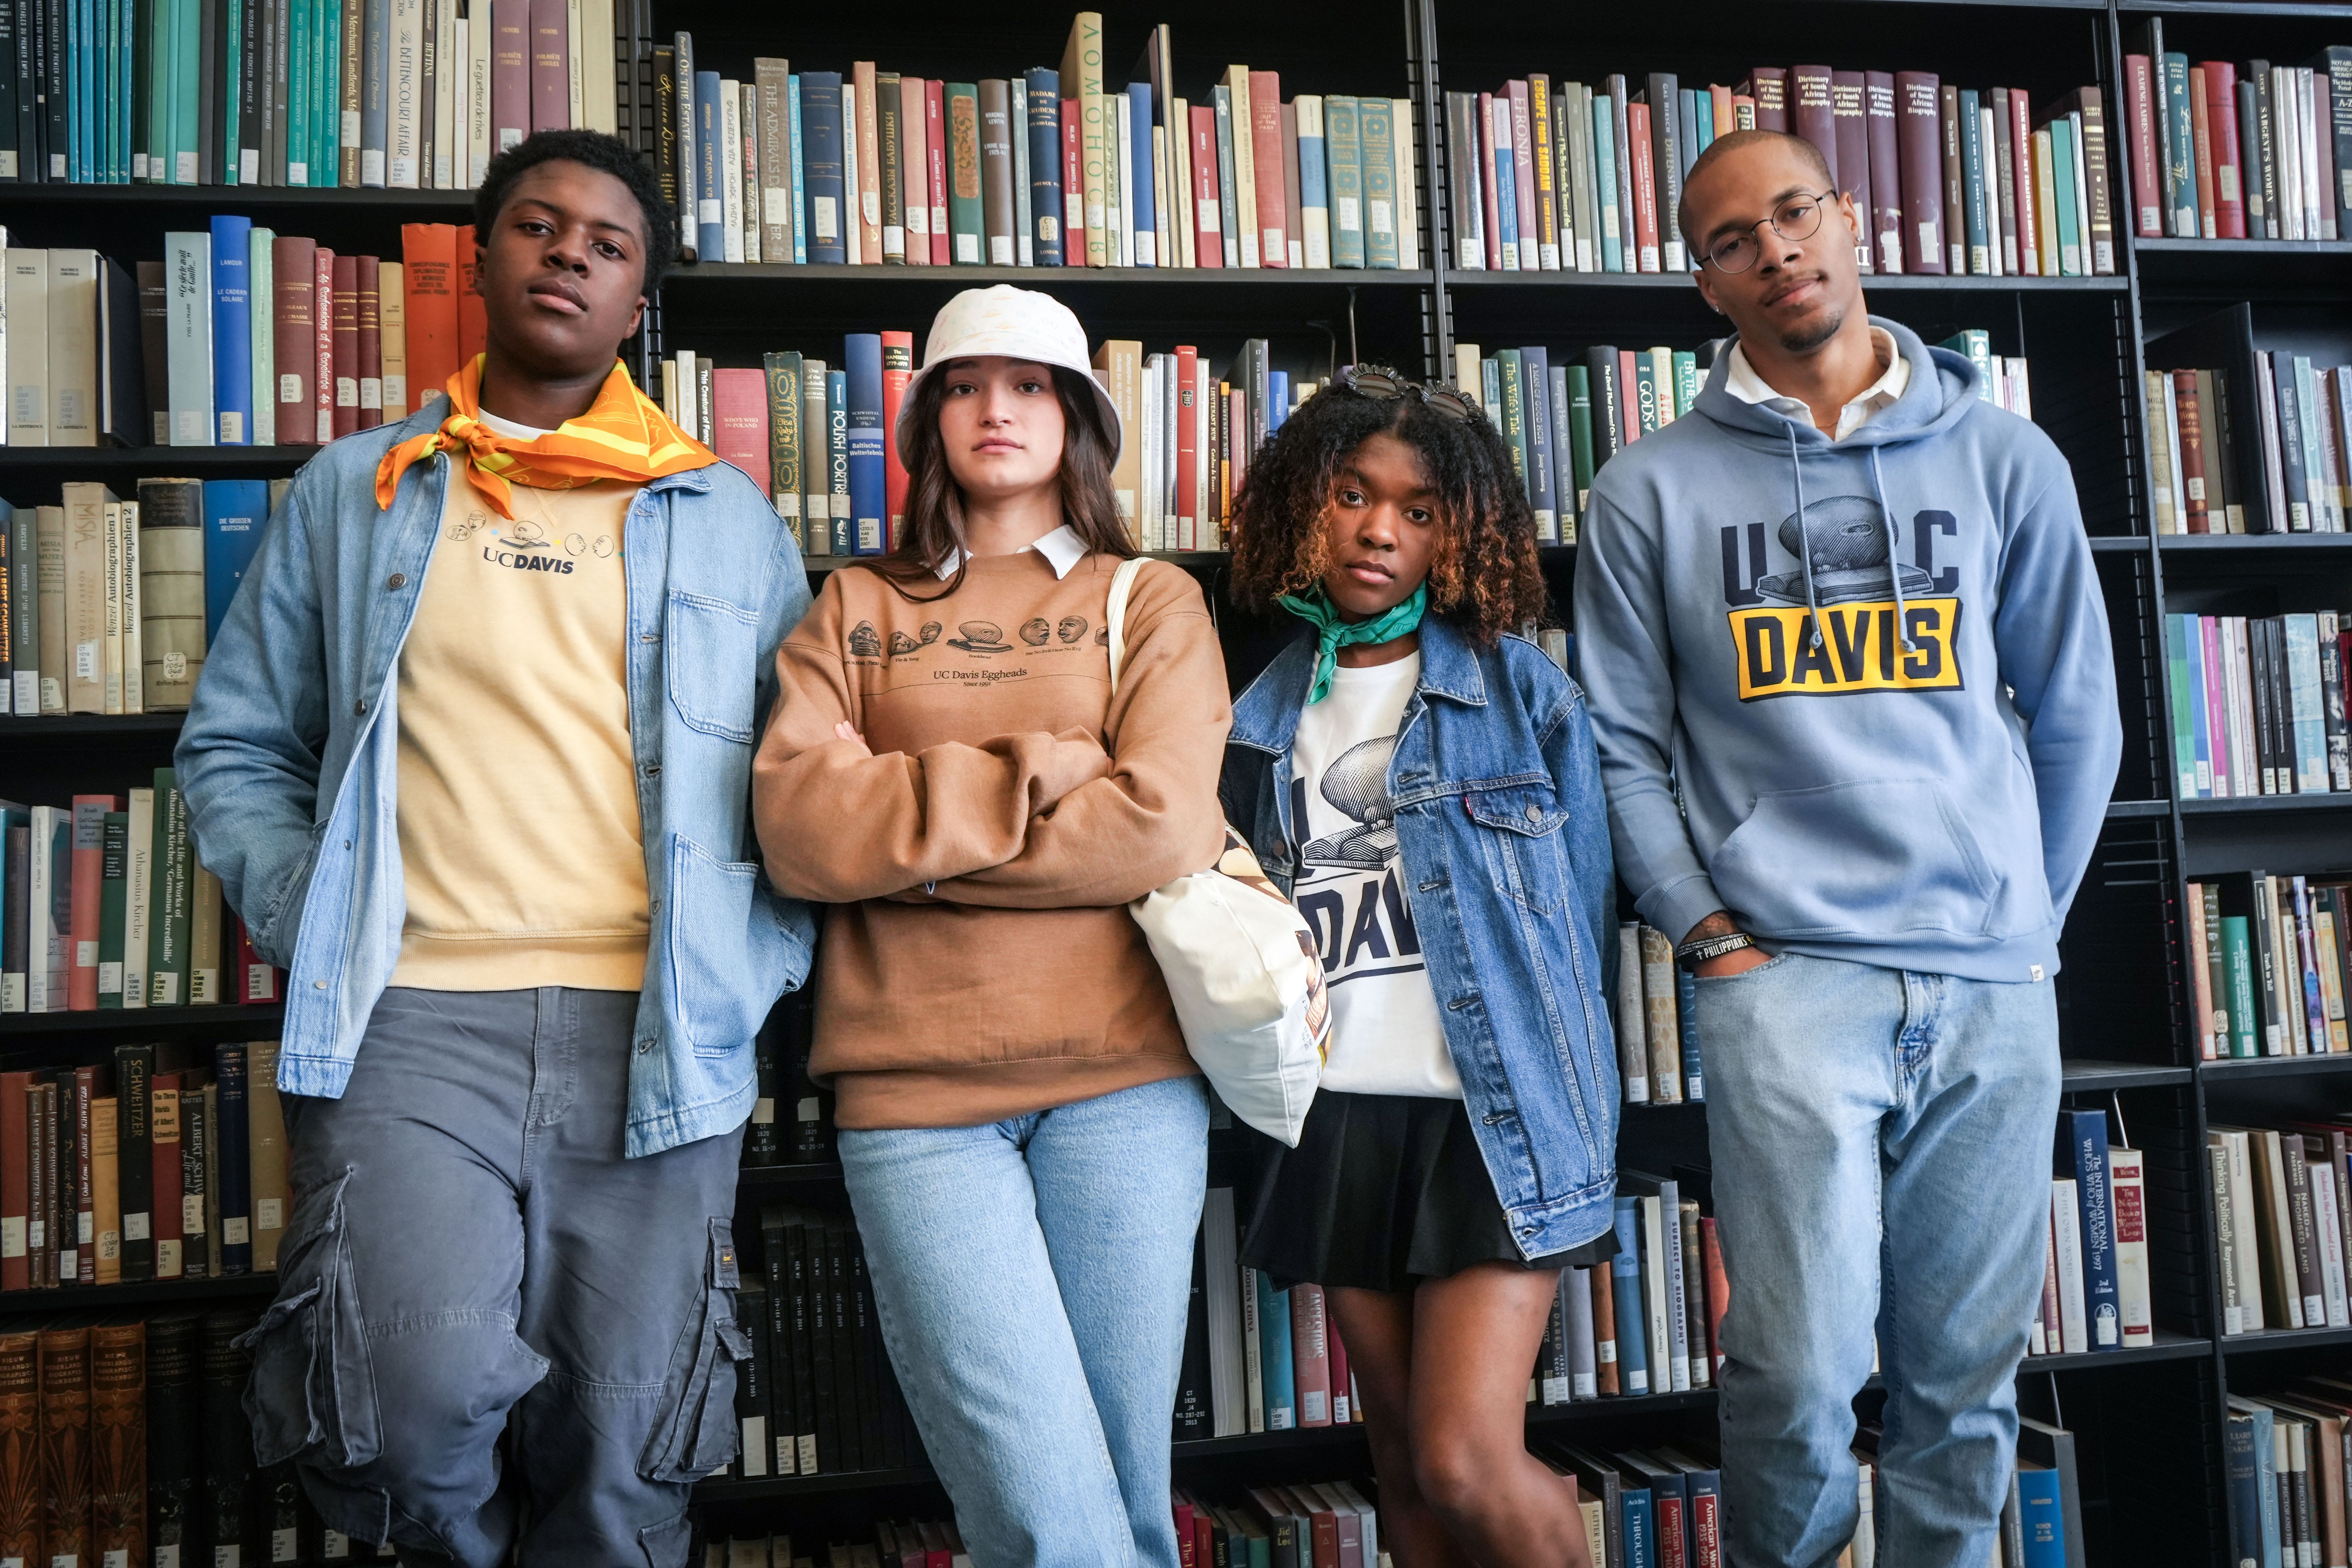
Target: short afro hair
x,y
593,150
1723,147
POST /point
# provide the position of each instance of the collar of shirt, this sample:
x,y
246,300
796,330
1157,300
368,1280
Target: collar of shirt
x,y
1062,548
511,430
1741,380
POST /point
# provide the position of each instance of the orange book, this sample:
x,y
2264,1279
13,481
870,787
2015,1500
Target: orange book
x,y
88,841
428,254
897,369
1265,158
20,1447
118,1442
866,201
1604,1330
1718,1288
473,316
1645,189
65,1442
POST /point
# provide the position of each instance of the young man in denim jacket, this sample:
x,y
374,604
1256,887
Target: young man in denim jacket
x,y
1851,681
472,757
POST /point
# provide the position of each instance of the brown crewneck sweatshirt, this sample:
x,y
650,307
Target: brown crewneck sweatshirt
x,y
981,963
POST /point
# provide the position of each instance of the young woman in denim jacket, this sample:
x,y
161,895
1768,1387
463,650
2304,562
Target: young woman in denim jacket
x,y
1426,787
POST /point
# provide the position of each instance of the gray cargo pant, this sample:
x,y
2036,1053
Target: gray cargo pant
x,y
473,1273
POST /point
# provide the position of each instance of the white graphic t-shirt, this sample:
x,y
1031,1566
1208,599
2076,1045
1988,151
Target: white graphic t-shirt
x,y
1387,1036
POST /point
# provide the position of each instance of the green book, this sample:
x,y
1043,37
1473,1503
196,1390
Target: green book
x,y
2177,632
966,223
1975,345
1376,125
167,924
232,46
2237,960
1646,391
327,114
1579,432
1344,168
1687,381
1511,382
2062,172
302,60
114,874
784,440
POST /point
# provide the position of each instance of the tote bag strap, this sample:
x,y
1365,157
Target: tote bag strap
x,y
1115,613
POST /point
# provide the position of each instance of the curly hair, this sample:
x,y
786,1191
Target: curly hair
x,y
594,149
1482,576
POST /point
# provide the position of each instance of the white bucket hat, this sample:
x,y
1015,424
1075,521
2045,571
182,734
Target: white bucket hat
x,y
1016,323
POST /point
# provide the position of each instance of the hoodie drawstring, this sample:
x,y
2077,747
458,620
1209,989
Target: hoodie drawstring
x,y
1804,540
1893,569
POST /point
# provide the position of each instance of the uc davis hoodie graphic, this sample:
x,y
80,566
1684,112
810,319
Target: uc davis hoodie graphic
x,y
1883,625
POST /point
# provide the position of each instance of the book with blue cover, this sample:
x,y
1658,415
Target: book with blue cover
x,y
800,170
2038,1513
822,166
2243,1478
2265,1518
1626,1285
1045,133
1534,370
1605,157
861,355
235,1161
1669,1492
1641,1524
232,331
234,511
1343,162
710,212
2086,1142
1139,176
1276,1370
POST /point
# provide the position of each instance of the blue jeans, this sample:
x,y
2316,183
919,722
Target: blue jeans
x,y
1875,1124
1031,1278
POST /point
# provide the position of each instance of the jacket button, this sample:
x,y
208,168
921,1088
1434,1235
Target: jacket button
x,y
1535,812
396,582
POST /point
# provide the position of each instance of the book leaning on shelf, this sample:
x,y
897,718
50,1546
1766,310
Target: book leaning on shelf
x,y
2094,1286
2300,417
2282,1224
2267,964
1048,167
2236,150
2286,1468
1574,177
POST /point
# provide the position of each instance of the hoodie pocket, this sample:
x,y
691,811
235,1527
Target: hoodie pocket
x,y
1874,859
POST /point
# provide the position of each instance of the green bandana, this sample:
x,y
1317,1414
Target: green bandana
x,y
1332,633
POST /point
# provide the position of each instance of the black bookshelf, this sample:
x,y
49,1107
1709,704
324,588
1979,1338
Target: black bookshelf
x,y
2149,1420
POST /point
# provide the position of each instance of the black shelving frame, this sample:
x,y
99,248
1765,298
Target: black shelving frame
x,y
2149,1421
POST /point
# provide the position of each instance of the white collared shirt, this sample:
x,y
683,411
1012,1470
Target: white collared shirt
x,y
1062,548
1741,380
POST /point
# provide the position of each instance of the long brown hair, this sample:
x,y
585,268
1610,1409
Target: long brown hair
x,y
935,523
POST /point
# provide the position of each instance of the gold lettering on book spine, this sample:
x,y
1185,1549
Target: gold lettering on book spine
x,y
20,1447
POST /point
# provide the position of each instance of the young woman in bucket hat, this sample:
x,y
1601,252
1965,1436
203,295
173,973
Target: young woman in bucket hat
x,y
1021,1132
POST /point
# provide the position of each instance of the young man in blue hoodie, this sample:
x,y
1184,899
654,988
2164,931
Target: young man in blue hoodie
x,y
1850,675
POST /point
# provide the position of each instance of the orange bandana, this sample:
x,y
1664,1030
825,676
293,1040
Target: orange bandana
x,y
623,436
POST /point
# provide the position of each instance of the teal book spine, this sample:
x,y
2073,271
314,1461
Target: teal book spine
x,y
1376,127
1975,210
1685,381
1490,389
2061,170
1645,393
1625,1283
1563,486
300,54
1579,432
1510,381
2184,738
232,66
1344,178
800,177
1604,158
1279,1373
2238,965
2179,174
327,116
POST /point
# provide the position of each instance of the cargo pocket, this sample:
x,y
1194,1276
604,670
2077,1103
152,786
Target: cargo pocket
x,y
312,1393
694,1430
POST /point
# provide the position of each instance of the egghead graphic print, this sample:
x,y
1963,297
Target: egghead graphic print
x,y
1351,885
1884,624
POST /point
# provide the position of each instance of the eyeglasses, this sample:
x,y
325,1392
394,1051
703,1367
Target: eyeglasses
x,y
1798,217
1390,388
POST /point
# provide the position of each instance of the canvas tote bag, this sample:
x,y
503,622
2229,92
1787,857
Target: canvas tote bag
x,y
1241,964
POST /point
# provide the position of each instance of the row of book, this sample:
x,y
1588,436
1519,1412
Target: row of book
x,y
1947,180
2268,967
413,94
104,905
1255,1359
2094,1283
2302,414
817,1394
169,1163
1647,1321
1045,168
1563,412
2219,150
141,585
1657,1032
239,337
2287,1460
897,1543
2282,1224
2258,704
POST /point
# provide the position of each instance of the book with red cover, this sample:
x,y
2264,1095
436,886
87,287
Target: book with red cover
x,y
428,254
292,292
1718,1288
1523,177
1885,215
510,73
550,66
1310,1351
740,414
472,321
1343,1403
1490,180
41,1151
2201,139
2141,140
1208,232
118,1443
2029,210
1852,163
897,369
1956,194
20,1446
1604,1330
65,1442
1646,185
257,981
322,344
935,150
1629,400
1769,86
1811,116
1265,158
2196,506
1919,145
89,862
90,1084
163,1143
1188,429
369,301
2229,168
344,344
15,1182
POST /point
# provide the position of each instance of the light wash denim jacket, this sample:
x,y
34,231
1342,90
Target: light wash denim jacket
x,y
289,763
1506,838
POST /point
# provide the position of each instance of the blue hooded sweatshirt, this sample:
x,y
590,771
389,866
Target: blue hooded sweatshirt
x,y
1859,694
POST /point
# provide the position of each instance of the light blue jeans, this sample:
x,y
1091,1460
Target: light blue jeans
x,y
1872,1125
1031,1278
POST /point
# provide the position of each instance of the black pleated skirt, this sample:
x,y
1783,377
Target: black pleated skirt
x,y
1385,1191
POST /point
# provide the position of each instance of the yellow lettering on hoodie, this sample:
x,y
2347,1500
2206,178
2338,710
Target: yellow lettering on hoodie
x,y
1859,649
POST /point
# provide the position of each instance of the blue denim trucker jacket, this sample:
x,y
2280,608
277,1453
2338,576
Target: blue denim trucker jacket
x,y
288,761
1506,840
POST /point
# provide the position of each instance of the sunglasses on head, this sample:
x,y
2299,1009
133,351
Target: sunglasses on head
x,y
1391,388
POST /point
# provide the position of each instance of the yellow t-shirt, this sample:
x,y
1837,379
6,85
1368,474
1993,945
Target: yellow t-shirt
x,y
519,832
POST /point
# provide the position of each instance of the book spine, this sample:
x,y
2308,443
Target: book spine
x,y
1919,143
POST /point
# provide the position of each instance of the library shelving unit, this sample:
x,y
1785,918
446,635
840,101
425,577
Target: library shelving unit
x,y
2149,1422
